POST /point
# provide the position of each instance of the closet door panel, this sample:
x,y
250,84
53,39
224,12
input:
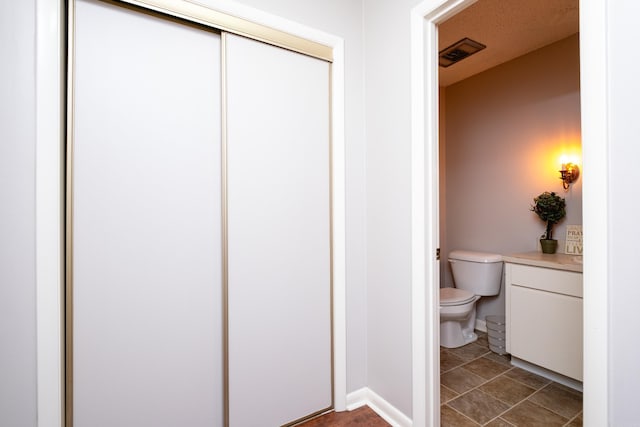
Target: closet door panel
x,y
147,292
279,234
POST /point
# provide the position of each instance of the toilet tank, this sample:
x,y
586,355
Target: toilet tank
x,y
477,272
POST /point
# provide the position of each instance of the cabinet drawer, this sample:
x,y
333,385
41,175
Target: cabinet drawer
x,y
547,279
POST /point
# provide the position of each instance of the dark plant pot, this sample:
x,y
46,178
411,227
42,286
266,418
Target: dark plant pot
x,y
549,246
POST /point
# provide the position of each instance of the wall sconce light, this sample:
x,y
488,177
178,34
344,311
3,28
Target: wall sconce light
x,y
569,173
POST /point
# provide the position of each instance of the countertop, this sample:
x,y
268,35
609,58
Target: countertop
x,y
555,261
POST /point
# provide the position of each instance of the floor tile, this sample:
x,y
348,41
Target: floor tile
x,y
528,414
507,390
499,422
451,418
446,394
486,368
505,359
478,406
483,339
460,380
448,361
560,399
469,351
576,422
527,378
480,387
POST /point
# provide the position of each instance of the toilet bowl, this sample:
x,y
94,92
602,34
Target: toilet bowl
x,y
475,274
457,317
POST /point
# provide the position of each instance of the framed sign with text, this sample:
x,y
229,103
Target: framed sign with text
x,y
573,241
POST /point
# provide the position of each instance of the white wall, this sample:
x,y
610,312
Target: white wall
x,y
505,130
388,128
17,227
624,152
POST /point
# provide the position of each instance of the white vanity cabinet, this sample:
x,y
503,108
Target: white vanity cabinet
x,y
544,312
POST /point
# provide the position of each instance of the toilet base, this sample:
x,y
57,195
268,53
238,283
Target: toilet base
x,y
453,336
458,332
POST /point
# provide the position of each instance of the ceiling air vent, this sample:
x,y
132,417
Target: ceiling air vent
x,y
458,51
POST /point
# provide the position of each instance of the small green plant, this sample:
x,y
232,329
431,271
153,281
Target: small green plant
x,y
550,208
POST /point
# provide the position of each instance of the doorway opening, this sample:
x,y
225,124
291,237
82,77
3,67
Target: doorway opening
x,y
506,115
426,18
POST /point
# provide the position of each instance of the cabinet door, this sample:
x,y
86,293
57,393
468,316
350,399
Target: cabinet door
x,y
546,329
146,265
279,276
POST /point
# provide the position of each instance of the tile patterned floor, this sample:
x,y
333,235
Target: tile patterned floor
x,y
481,388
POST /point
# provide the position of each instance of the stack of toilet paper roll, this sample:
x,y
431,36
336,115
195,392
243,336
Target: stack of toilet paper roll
x,y
496,329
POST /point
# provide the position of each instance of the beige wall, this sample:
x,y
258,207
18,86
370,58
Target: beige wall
x,y
506,129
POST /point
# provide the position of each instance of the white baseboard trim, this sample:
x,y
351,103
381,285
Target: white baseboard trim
x,y
357,398
481,325
388,412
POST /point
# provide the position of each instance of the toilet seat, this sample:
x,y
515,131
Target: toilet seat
x,y
455,296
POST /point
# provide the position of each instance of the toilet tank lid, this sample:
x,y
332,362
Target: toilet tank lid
x,y
485,257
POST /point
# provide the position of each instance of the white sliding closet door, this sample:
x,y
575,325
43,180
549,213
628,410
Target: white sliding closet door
x,y
147,293
279,272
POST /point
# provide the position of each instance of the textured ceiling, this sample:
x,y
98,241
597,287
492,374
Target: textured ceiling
x,y
509,28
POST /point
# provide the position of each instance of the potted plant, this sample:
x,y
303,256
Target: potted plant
x,y
550,208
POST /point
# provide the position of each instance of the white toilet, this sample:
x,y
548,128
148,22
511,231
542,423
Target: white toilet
x,y
475,274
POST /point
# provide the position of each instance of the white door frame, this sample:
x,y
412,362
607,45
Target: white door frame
x,y
50,52
424,199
